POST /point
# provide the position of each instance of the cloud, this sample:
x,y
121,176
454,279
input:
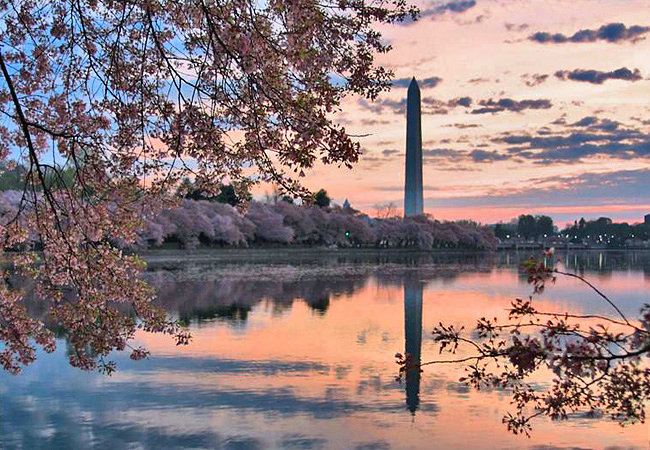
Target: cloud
x,y
557,141
642,121
437,9
456,168
585,122
613,32
457,7
371,160
487,156
599,138
433,106
534,79
461,101
446,154
598,77
593,123
462,125
380,106
389,152
429,105
430,82
508,104
479,80
370,122
624,187
516,27
449,155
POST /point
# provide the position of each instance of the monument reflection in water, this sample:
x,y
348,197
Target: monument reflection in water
x,y
413,336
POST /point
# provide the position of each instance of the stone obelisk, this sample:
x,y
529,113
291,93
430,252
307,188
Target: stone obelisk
x,y
413,186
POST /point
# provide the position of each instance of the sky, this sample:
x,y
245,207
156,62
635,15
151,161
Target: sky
x,y
529,106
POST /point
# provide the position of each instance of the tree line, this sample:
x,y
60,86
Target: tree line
x,y
216,222
604,231
601,231
197,223
526,226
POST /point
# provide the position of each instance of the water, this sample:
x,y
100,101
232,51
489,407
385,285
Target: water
x,y
295,350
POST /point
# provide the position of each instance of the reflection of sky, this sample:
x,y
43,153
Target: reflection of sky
x,y
302,378
625,288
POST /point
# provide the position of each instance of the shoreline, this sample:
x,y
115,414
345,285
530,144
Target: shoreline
x,y
234,254
207,255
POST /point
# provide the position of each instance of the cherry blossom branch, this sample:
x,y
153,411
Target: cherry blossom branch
x,y
595,289
596,368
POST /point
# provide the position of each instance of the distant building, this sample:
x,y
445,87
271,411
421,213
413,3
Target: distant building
x,y
647,219
346,204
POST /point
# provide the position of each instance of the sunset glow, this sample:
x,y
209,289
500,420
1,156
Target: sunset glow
x,y
589,150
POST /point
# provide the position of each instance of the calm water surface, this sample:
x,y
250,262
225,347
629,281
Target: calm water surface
x,y
295,350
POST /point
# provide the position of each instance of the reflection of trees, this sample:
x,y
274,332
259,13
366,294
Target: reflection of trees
x,y
232,300
317,276
605,262
232,313
444,266
583,262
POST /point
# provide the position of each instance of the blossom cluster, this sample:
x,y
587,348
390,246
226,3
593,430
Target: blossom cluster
x,y
198,222
596,364
133,97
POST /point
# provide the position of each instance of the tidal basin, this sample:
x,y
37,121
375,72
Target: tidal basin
x,y
294,349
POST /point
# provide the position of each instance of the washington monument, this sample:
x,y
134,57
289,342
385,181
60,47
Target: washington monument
x,y
413,185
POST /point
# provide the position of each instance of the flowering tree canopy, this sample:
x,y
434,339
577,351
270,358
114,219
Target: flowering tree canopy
x,y
134,96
